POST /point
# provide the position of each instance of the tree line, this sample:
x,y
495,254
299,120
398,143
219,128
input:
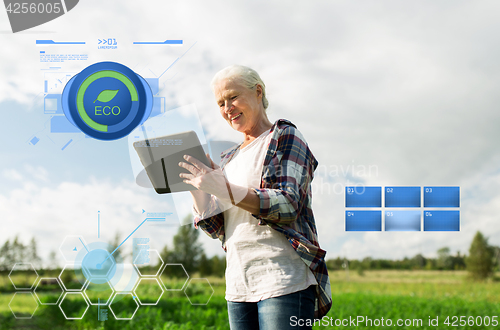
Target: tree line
x,y
186,249
14,250
482,261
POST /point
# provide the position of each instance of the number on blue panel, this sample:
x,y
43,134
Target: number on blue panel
x,y
428,190
389,214
389,190
428,214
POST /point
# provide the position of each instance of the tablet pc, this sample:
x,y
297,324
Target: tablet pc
x,y
160,157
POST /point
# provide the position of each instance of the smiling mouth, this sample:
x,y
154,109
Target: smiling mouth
x,y
236,117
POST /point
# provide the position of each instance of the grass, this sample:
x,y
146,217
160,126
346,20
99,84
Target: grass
x,y
423,284
413,295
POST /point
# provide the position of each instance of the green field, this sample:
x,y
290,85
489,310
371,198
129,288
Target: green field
x,y
405,295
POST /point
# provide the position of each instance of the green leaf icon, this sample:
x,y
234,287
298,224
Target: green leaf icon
x,y
106,95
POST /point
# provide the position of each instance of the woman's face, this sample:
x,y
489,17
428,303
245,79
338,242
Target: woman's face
x,y
239,106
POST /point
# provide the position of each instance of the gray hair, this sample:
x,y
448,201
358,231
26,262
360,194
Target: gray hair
x,y
249,77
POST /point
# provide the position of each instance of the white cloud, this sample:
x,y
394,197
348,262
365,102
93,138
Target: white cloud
x,y
12,174
37,172
407,87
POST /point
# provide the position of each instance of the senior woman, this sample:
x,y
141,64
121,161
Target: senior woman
x,y
258,203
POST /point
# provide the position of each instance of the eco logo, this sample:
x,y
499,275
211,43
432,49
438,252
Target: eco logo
x,y
107,100
24,14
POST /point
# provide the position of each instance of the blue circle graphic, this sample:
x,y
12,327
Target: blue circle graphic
x,y
99,266
107,100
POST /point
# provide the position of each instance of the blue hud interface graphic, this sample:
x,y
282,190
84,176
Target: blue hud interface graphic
x,y
381,116
402,209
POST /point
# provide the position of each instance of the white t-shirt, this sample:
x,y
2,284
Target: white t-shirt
x,y
261,263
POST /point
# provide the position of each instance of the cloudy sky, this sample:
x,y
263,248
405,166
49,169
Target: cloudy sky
x,y
386,93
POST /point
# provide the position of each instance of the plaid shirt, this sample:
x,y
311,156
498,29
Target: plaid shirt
x,y
285,203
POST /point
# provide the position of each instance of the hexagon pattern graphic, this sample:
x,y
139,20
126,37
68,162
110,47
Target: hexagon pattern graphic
x,y
48,291
74,305
99,294
124,306
23,305
99,266
152,267
72,247
150,290
23,276
72,278
125,279
174,277
121,287
199,291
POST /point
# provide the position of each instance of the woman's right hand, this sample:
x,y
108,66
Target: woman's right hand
x,y
209,179
201,198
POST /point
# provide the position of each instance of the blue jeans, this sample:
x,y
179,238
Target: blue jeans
x,y
277,313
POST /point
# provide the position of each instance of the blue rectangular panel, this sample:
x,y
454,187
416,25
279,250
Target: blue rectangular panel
x,y
363,196
441,196
52,104
402,196
60,124
441,220
154,84
363,220
402,220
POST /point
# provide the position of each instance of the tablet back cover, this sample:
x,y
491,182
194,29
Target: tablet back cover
x,y
160,157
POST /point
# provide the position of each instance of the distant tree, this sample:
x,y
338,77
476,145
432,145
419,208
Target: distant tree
x,y
6,260
334,264
444,259
205,266
18,250
186,249
218,265
360,268
496,258
167,255
431,264
15,252
32,254
406,263
116,240
418,261
353,264
367,263
458,261
53,262
480,260
112,245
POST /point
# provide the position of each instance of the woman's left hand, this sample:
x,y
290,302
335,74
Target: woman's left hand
x,y
202,177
